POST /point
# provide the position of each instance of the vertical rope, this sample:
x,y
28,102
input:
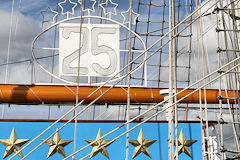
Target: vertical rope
x,y
8,53
200,96
78,78
227,47
220,100
175,77
161,43
235,77
235,46
53,55
129,76
16,26
134,44
147,37
170,109
189,48
204,89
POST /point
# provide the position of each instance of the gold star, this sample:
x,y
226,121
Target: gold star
x,y
99,144
13,144
183,145
141,145
57,145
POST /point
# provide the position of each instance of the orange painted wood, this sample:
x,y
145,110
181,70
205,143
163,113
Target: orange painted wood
x,y
57,94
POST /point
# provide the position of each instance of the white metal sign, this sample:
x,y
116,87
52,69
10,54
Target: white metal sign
x,y
99,53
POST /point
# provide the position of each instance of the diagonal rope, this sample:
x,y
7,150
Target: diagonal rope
x,y
155,114
118,81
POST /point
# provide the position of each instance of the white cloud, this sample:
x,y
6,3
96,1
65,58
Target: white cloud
x,y
26,30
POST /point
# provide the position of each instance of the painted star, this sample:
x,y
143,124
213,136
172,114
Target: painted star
x,y
13,144
52,12
107,4
183,145
92,8
141,145
64,4
126,15
57,145
99,144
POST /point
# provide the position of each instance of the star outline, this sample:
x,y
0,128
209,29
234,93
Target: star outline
x,y
128,21
88,9
104,9
62,8
51,10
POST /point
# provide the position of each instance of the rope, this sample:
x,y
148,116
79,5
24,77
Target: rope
x,y
129,76
205,98
220,100
155,114
226,47
175,48
151,108
53,53
78,76
233,77
159,32
170,86
8,52
118,82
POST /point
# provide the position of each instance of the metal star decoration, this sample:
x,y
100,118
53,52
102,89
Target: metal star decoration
x,y
183,145
141,145
13,144
99,144
126,15
57,145
106,4
88,9
64,3
49,9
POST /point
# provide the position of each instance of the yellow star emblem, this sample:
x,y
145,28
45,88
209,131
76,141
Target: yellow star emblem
x,y
57,145
141,145
13,144
183,145
99,144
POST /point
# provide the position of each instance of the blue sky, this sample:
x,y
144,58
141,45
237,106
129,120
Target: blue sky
x,y
30,24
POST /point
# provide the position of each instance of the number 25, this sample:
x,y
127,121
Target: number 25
x,y
95,50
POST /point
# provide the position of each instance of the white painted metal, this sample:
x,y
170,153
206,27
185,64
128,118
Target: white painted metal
x,y
100,54
92,17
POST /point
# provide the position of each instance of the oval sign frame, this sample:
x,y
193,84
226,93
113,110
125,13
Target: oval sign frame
x,y
87,17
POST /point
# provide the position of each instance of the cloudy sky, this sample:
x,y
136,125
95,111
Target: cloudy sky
x,y
27,23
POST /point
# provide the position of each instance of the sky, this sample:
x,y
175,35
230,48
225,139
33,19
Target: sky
x,y
27,23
